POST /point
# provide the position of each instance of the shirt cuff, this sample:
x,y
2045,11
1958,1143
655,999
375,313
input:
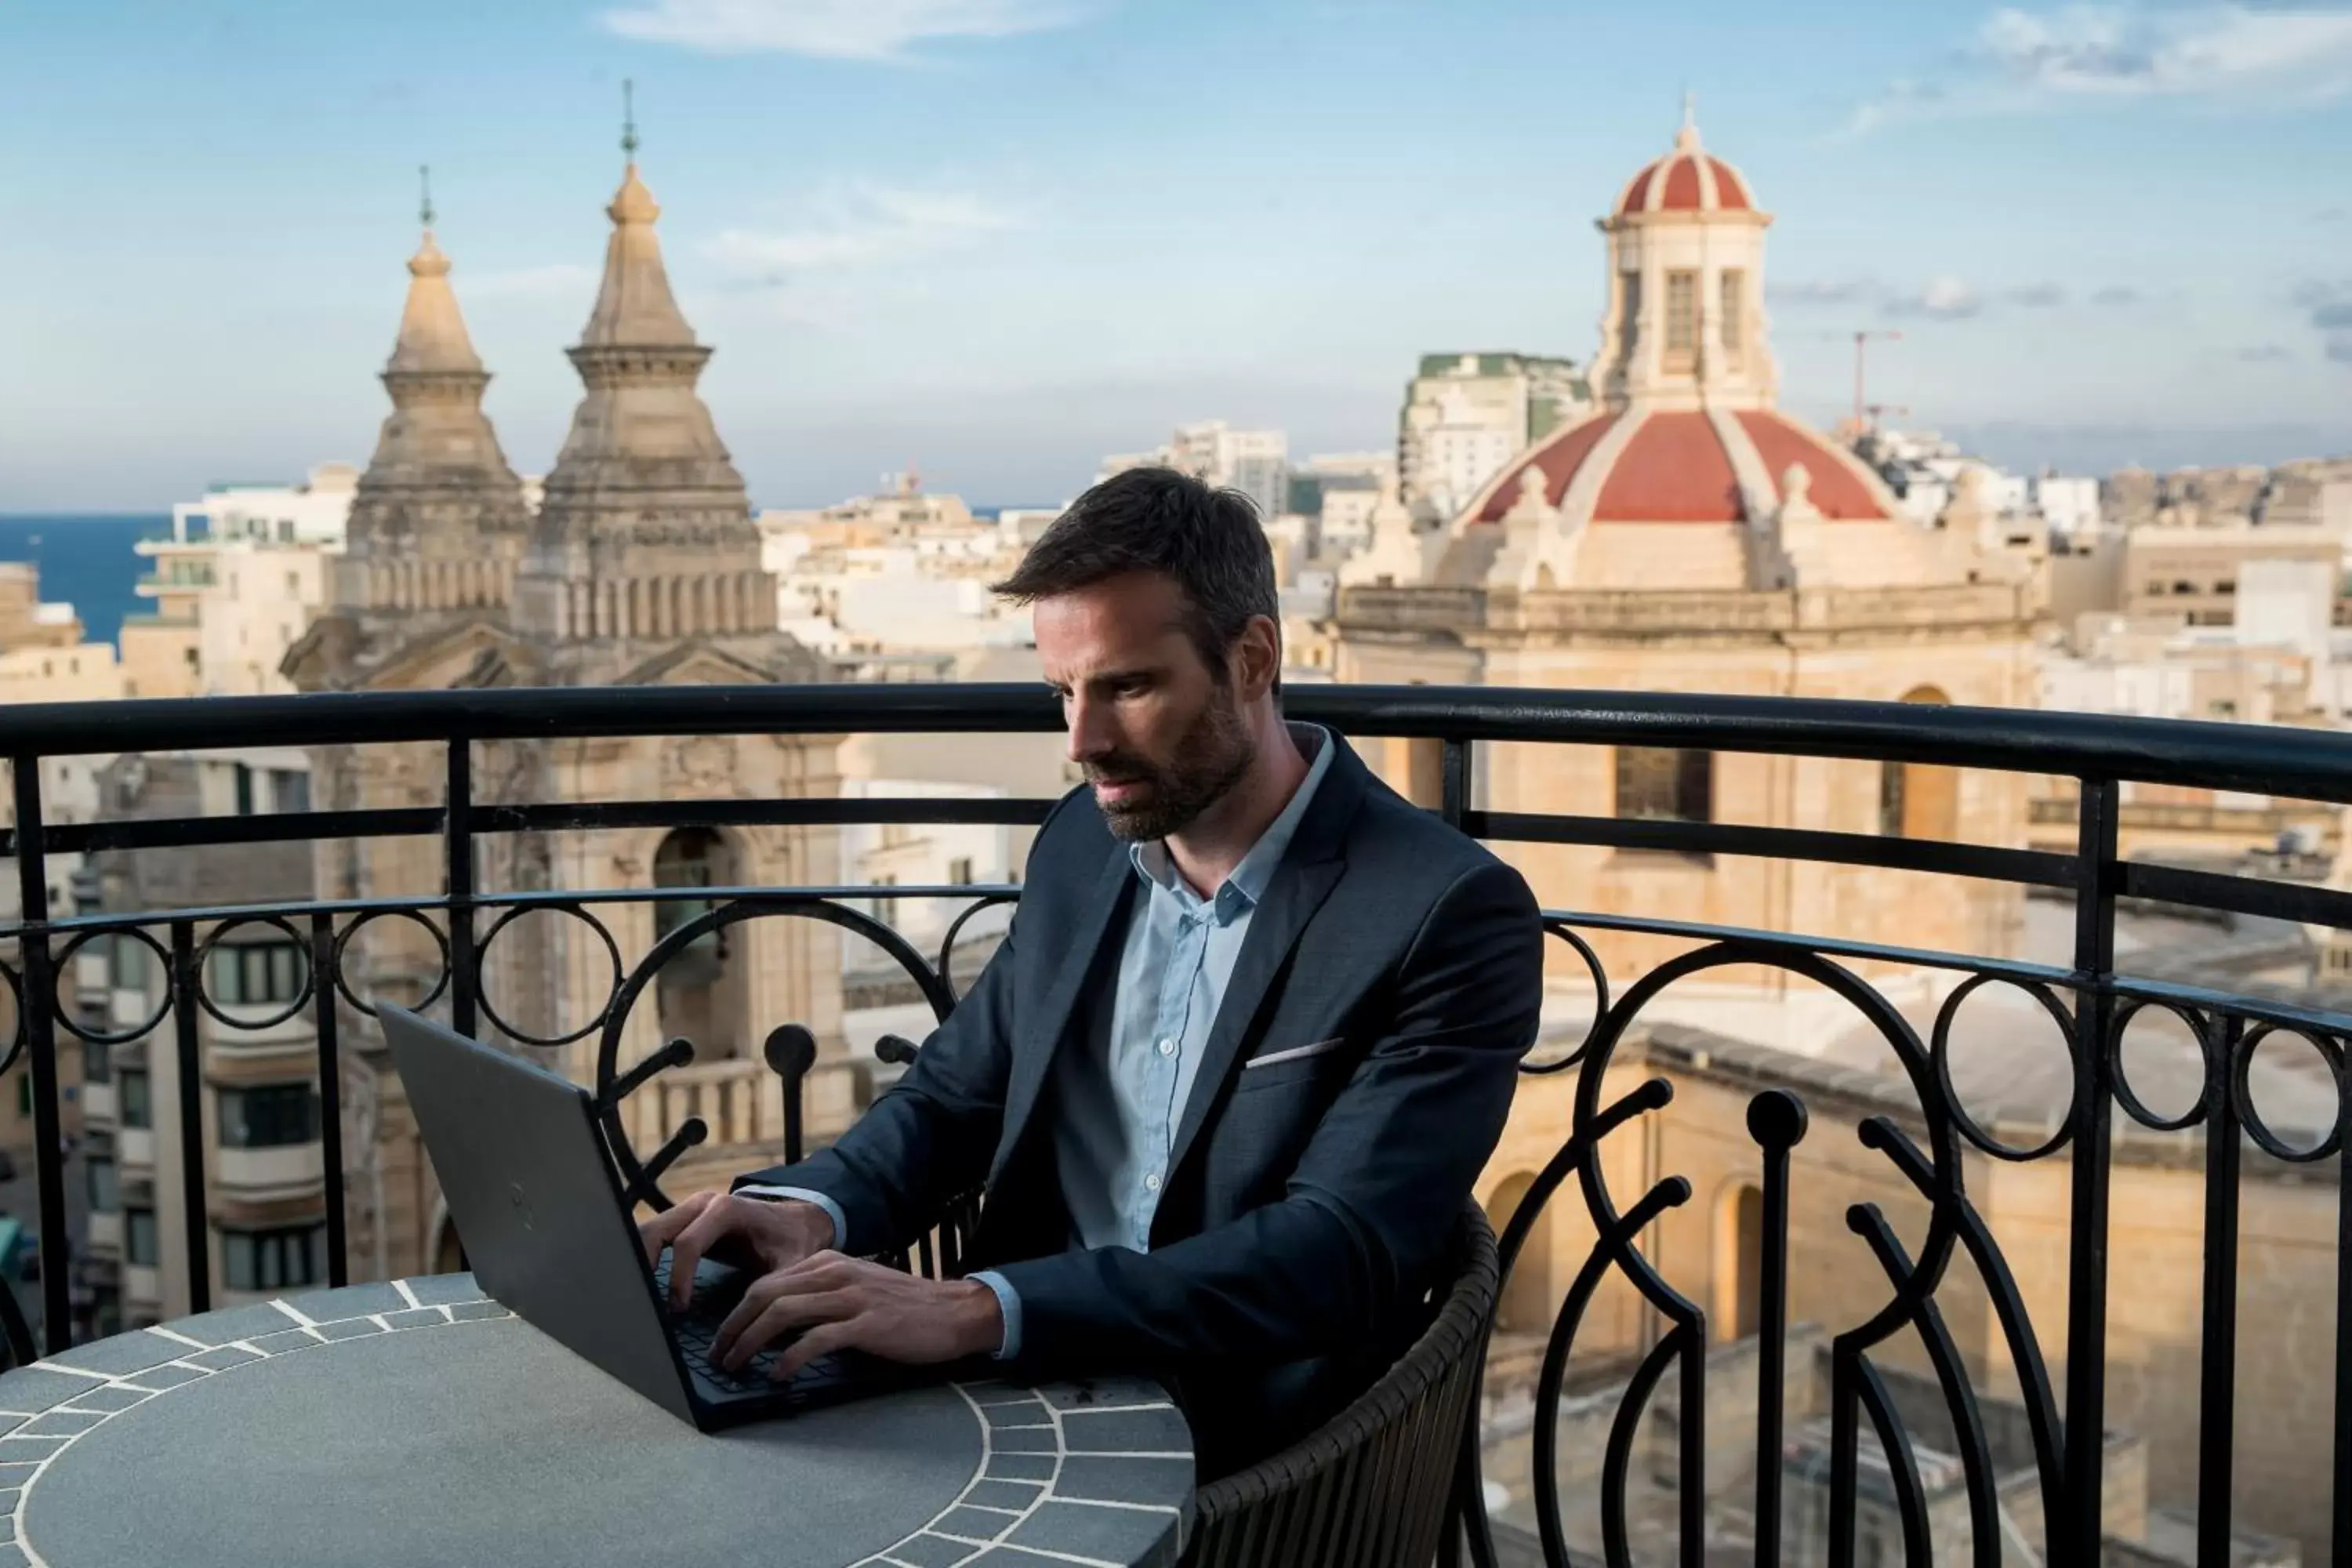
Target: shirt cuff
x,y
809,1196
1007,1302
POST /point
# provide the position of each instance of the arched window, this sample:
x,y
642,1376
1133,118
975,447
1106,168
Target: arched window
x,y
703,993
1920,800
1739,1263
1527,1306
1661,784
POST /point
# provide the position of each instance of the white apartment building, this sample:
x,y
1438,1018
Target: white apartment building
x,y
235,585
266,1203
1467,415
1254,462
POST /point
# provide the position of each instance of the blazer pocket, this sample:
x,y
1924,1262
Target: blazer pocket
x,y
1294,1053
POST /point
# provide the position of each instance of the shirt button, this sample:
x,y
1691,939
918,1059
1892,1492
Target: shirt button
x,y
1151,1182
1166,1048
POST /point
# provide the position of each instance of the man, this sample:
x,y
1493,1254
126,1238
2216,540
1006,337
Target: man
x,y
1228,1080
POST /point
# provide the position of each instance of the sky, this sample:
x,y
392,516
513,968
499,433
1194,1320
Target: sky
x,y
995,239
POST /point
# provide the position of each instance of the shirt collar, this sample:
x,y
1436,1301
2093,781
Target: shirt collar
x,y
1248,880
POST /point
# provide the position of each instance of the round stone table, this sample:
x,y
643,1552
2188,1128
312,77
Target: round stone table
x,y
415,1423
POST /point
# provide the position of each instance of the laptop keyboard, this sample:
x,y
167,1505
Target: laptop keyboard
x,y
696,1328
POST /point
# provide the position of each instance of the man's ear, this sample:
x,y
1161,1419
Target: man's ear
x,y
1258,657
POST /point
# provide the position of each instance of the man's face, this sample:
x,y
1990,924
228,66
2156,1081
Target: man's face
x,y
1160,737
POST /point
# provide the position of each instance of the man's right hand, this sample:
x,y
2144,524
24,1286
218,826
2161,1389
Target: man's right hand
x,y
761,1235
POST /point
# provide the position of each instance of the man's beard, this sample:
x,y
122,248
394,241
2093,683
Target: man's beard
x,y
1213,755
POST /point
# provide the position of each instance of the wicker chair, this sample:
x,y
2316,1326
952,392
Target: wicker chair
x,y
1372,1488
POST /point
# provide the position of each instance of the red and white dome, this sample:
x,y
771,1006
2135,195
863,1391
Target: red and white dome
x,y
1687,180
1643,466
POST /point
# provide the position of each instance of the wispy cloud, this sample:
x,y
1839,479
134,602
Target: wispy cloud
x,y
2327,306
1803,292
1944,299
2265,353
2234,54
833,29
860,224
2035,296
2117,295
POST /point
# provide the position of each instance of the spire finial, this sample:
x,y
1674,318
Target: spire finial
x,y
629,118
1690,109
424,190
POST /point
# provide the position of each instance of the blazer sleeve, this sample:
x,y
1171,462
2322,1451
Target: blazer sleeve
x,y
1381,1182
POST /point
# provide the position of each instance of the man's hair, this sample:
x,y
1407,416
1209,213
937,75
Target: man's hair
x,y
1209,541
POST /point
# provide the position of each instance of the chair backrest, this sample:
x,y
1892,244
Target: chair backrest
x,y
1372,1488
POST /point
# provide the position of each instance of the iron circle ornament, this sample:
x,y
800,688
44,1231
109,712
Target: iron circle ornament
x,y
1568,934
24,1027
213,939
987,900
1939,1055
342,941
2241,1094
611,953
65,1015
735,911
2138,1109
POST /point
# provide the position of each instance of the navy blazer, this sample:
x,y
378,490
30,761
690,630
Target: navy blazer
x,y
1390,982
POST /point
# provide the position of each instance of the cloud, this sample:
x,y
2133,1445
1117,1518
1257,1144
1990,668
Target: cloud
x,y
2035,296
2232,53
832,29
1803,292
860,224
2117,295
560,281
2265,353
1944,299
2328,307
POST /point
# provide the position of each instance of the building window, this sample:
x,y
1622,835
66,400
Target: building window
x,y
131,1098
139,1242
1734,313
1659,784
265,974
244,790
1629,324
97,1061
271,1116
960,870
289,790
1681,316
274,1259
126,963
105,1192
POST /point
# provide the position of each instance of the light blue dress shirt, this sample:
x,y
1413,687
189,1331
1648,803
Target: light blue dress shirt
x,y
1121,1097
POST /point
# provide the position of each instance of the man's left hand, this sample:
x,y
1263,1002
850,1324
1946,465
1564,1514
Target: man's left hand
x,y
849,1302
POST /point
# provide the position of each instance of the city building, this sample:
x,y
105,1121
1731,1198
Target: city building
x,y
257,1045
1466,414
640,566
1254,462
1690,536
44,657
234,583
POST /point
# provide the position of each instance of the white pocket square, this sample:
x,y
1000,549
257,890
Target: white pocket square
x,y
1296,1053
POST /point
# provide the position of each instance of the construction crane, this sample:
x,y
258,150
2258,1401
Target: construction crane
x,y
1861,344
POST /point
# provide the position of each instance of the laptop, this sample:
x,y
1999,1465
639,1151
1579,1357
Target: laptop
x,y
539,1209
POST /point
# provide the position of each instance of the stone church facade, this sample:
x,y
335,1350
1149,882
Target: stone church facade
x,y
1690,536
640,567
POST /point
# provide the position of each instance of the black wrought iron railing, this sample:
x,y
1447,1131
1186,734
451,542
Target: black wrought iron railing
x,y
2028,1484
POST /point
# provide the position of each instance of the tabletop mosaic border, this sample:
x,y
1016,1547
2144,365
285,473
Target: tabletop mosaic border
x,y
1042,1494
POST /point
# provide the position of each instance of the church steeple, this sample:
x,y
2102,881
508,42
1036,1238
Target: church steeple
x,y
646,531
438,520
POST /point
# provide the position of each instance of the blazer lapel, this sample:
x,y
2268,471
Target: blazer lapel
x,y
1305,878
1036,1039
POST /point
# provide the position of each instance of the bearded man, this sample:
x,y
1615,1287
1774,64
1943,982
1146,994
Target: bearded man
x,y
1229,1079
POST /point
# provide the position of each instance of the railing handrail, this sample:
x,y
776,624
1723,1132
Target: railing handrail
x,y
2262,759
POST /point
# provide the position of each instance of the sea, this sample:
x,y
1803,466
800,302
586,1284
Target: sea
x,y
85,560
